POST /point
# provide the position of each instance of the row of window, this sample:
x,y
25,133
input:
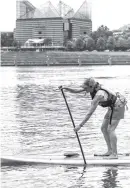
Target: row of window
x,y
40,32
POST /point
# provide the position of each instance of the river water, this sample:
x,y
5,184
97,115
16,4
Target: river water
x,y
35,122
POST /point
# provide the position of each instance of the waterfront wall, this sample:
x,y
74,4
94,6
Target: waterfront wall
x,y
59,58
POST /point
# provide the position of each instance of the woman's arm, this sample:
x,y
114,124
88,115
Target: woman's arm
x,y
91,110
73,90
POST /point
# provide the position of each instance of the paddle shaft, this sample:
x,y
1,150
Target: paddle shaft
x,y
73,126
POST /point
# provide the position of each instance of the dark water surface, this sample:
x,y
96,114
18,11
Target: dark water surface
x,y
35,122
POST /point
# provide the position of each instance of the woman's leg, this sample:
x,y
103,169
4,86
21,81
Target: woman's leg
x,y
104,129
112,136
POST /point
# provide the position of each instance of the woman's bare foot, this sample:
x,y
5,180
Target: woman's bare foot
x,y
108,153
112,156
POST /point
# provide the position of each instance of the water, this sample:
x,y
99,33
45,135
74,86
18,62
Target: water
x,y
35,122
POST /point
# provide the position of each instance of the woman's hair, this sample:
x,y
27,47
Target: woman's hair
x,y
89,82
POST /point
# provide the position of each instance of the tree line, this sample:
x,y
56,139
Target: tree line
x,y
100,40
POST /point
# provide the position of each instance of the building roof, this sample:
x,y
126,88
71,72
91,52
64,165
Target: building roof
x,y
125,28
26,10
83,12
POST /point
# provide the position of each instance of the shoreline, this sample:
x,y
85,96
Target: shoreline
x,y
63,58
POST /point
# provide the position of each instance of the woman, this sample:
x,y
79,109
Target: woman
x,y
116,109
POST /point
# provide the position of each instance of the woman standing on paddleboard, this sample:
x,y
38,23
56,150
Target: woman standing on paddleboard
x,y
116,108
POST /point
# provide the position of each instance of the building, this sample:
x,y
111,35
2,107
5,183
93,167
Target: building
x,y
125,28
122,30
59,23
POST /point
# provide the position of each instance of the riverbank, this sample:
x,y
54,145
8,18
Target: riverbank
x,y
59,58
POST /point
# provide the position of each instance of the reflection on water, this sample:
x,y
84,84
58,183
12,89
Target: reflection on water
x,y
35,121
110,178
59,176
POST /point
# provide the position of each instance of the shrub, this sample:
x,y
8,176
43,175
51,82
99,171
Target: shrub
x,y
79,44
89,44
101,45
69,45
110,43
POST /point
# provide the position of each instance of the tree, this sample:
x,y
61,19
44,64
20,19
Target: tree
x,y
89,44
79,43
94,36
110,43
69,45
126,35
121,44
15,43
109,33
103,32
84,37
100,45
7,39
102,28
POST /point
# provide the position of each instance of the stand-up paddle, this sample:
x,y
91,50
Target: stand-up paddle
x,y
73,124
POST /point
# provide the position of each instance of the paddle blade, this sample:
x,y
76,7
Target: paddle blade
x,y
71,154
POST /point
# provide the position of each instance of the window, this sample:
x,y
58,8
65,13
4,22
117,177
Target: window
x,y
85,32
39,32
40,37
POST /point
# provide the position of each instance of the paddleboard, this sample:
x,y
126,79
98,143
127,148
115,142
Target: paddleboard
x,y
62,160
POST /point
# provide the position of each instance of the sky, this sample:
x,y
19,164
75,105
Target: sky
x,y
111,13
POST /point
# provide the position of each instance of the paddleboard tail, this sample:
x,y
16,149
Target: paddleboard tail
x,y
104,155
